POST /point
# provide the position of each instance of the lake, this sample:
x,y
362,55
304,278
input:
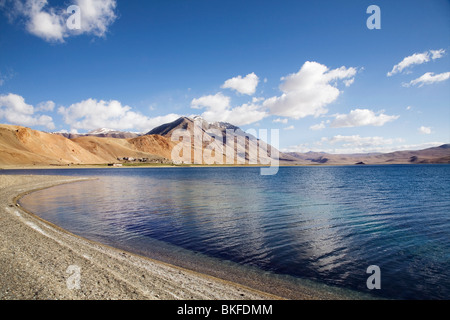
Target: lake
x,y
318,226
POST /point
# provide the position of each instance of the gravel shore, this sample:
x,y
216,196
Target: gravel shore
x,y
39,260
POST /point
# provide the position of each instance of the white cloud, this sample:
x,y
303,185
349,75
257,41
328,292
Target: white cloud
x,y
91,114
244,114
356,140
361,117
367,148
279,120
319,126
96,15
49,23
14,109
428,78
349,82
436,54
218,108
46,106
217,102
246,85
256,100
425,130
309,91
416,58
289,128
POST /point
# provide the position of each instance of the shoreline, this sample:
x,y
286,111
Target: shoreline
x,y
105,166
36,259
133,275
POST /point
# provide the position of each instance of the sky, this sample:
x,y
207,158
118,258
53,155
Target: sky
x,y
317,71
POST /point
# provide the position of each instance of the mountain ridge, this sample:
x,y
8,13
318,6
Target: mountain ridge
x,y
25,146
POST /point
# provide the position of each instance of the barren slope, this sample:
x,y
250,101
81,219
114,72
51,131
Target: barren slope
x,y
19,145
24,146
109,149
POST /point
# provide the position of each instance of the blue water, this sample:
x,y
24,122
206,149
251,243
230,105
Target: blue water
x,y
324,224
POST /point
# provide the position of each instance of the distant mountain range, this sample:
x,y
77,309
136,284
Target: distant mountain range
x,y
102,132
440,154
20,146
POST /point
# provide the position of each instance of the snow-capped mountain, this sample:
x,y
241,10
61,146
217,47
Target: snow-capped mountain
x,y
101,132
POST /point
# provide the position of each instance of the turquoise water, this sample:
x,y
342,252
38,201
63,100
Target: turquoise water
x,y
320,224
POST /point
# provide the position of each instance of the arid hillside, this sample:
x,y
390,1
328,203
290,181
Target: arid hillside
x,y
439,154
24,146
20,146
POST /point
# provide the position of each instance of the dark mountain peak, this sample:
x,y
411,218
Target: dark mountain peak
x,y
187,123
167,128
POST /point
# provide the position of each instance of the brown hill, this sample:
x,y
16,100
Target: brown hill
x,y
439,154
24,146
152,147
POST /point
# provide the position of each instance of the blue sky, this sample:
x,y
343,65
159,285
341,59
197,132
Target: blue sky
x,y
311,69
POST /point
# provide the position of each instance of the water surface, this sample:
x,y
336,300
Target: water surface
x,y
324,225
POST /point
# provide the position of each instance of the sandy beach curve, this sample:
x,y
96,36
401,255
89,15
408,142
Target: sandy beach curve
x,y
38,260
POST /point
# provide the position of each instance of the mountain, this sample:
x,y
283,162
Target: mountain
x,y
101,132
214,136
20,146
153,147
24,146
440,154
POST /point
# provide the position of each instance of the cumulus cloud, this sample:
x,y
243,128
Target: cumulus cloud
x,y
361,117
97,15
246,85
244,114
289,128
16,111
318,126
91,114
425,130
309,91
217,102
50,23
218,108
428,78
45,106
416,58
